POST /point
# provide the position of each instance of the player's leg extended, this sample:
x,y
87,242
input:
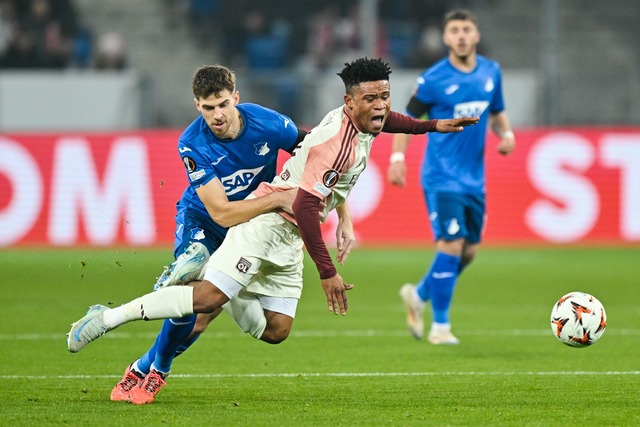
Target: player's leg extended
x,y
172,302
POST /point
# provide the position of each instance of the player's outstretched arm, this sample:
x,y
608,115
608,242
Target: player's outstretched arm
x,y
401,123
455,125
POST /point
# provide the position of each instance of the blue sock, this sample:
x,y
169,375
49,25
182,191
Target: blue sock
x,y
144,363
172,335
442,279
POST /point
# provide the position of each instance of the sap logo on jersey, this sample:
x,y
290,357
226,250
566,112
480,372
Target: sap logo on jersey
x,y
240,180
470,109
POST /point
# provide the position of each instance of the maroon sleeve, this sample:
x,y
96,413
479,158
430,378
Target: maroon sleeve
x,y
306,209
401,123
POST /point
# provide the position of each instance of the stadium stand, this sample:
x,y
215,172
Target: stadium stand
x,y
166,40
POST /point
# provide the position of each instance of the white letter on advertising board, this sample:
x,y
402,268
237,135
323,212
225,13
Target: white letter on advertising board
x,y
623,151
25,192
571,204
122,198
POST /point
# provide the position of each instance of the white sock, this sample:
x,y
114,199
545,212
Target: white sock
x,y
166,303
441,327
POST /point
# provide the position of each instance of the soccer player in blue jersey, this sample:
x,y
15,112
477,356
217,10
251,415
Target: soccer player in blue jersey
x,y
227,152
453,172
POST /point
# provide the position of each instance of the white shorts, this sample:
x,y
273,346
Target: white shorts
x,y
264,255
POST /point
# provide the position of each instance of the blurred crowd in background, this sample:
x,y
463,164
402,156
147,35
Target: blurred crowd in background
x,y
556,56
318,35
50,34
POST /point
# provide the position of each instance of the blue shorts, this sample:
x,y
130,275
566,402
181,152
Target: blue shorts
x,y
194,227
456,215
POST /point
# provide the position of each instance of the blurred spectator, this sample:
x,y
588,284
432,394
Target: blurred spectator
x,y
335,36
82,48
8,24
110,52
321,36
429,49
42,36
202,17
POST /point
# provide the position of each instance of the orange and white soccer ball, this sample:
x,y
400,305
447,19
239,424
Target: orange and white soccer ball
x,y
578,319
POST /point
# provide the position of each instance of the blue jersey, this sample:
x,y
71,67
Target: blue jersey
x,y
455,161
240,164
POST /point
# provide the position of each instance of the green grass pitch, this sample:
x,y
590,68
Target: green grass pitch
x,y
359,370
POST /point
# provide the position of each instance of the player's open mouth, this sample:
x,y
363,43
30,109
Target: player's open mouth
x,y
377,120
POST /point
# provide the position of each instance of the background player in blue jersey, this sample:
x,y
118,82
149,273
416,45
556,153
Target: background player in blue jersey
x,y
453,175
227,152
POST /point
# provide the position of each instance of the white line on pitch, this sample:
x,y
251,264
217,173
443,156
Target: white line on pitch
x,y
341,374
320,333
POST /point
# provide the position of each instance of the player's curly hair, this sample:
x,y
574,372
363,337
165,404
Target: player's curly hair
x,y
212,79
364,70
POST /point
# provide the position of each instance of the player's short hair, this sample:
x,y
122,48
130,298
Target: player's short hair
x,y
459,15
364,70
212,79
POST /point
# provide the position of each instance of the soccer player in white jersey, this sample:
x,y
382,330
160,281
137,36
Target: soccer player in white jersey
x,y
256,274
453,178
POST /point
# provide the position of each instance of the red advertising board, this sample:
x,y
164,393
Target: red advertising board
x,y
570,185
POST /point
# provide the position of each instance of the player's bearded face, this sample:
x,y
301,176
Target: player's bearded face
x,y
461,37
369,105
220,112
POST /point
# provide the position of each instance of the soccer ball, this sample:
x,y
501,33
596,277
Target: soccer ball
x,y
578,319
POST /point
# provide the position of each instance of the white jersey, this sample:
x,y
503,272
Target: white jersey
x,y
327,163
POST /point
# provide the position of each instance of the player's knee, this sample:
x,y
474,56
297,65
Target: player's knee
x,y
277,329
468,254
451,247
466,259
275,335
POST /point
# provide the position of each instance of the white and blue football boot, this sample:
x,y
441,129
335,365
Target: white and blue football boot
x,y
87,329
187,267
